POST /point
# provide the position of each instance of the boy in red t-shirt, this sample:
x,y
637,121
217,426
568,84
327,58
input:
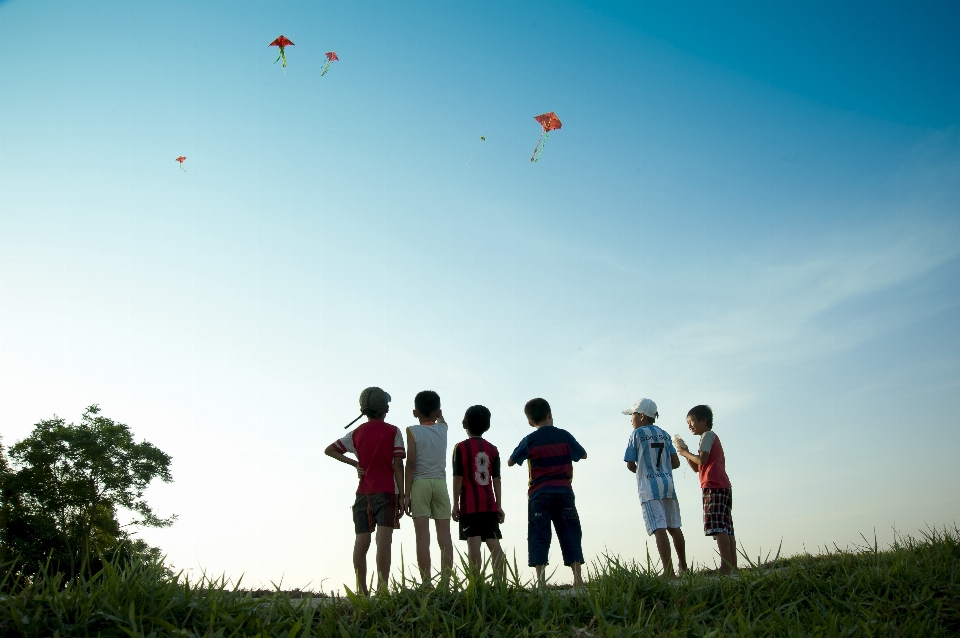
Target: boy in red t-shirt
x,y
476,490
378,447
710,463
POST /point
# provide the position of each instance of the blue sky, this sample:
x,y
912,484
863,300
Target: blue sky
x,y
751,206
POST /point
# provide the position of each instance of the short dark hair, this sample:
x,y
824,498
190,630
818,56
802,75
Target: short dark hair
x,y
702,413
427,402
477,419
537,409
373,414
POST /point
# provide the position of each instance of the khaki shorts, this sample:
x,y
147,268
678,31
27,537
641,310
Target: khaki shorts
x,y
429,497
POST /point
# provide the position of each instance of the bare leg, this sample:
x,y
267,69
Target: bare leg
x,y
384,541
360,547
421,525
540,580
663,546
446,548
681,545
473,552
496,556
728,552
577,581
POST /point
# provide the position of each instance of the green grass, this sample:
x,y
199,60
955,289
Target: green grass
x,y
910,589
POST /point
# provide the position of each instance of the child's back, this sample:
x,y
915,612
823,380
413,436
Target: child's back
x,y
426,479
431,442
476,490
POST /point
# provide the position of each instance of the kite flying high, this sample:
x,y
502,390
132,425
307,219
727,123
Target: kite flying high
x,y
549,122
282,41
182,159
331,57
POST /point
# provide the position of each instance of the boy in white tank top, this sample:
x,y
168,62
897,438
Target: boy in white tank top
x,y
426,483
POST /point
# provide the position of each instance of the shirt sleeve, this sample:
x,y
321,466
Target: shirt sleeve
x,y
576,450
495,465
344,445
398,449
457,461
706,441
630,456
522,453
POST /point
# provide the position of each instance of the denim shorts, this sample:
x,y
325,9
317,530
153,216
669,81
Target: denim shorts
x,y
561,510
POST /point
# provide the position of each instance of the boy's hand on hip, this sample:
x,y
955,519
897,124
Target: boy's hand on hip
x,y
501,516
360,472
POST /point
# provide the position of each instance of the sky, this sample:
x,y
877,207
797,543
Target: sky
x,y
752,206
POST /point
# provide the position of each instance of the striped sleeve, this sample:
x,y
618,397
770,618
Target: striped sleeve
x,y
344,445
398,449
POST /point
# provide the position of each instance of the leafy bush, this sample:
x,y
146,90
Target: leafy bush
x,y
61,489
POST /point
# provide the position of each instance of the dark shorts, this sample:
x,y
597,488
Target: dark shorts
x,y
370,510
717,510
561,510
486,525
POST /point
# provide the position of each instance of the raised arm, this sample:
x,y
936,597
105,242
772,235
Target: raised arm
x,y
693,460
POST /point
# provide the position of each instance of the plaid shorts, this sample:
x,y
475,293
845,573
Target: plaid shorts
x,y
717,510
370,510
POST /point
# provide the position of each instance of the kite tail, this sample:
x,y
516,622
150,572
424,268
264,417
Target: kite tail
x,y
543,139
533,158
325,68
280,56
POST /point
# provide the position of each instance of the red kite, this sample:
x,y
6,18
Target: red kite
x,y
282,41
182,159
549,122
331,57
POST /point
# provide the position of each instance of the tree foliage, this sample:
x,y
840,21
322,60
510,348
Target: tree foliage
x,y
61,491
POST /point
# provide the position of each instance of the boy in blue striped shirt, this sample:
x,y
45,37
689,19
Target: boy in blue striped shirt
x,y
651,456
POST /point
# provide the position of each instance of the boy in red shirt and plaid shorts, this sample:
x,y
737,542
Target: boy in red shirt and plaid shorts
x,y
378,447
710,463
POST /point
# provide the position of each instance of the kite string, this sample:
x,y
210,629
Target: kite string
x,y
424,296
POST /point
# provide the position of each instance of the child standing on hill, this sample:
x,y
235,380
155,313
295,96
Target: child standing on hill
x,y
717,491
651,448
378,447
427,495
476,490
550,453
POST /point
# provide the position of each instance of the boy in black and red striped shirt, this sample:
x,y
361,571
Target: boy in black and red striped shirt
x,y
476,490
550,453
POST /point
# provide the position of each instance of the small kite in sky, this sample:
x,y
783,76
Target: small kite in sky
x,y
282,41
483,139
549,122
182,159
331,57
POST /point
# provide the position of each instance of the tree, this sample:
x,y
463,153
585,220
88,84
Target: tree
x,y
61,497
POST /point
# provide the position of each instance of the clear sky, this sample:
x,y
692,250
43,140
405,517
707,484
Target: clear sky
x,y
753,206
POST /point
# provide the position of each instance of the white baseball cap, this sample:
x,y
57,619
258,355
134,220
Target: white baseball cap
x,y
643,406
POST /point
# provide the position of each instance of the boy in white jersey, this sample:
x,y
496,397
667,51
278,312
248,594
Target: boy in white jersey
x,y
651,448
426,482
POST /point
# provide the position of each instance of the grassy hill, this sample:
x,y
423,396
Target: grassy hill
x,y
909,589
